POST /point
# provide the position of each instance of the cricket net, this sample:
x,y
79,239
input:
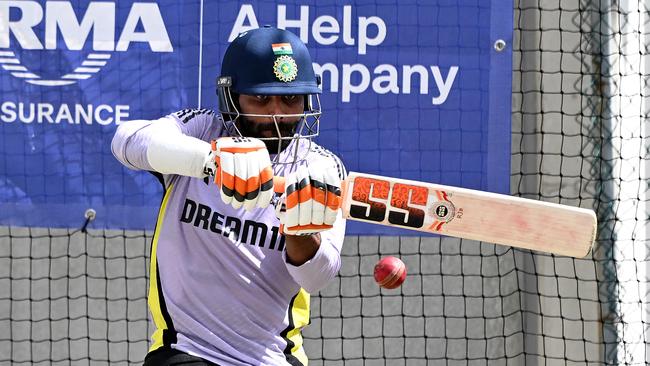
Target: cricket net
x,y
581,103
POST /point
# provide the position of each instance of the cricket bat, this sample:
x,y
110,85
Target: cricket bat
x,y
466,213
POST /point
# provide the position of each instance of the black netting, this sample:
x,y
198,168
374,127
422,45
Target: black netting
x,y
581,103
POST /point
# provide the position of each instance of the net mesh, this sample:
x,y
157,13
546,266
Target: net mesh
x,y
72,297
580,101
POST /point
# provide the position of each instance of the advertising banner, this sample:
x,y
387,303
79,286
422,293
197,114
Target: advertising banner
x,y
416,90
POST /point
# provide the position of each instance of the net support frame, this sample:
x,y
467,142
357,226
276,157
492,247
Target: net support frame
x,y
624,32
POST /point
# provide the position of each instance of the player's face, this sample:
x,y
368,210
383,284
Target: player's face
x,y
264,126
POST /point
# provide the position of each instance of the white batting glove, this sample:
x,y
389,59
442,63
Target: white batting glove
x,y
311,200
243,172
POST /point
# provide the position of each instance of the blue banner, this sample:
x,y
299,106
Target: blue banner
x,y
415,90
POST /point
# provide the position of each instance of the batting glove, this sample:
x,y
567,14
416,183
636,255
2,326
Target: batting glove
x,y
242,171
311,200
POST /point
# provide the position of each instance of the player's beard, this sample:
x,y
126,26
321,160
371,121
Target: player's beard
x,y
266,130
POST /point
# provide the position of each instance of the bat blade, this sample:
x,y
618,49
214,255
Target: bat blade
x,y
469,214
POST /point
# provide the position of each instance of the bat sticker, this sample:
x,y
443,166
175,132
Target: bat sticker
x,y
442,210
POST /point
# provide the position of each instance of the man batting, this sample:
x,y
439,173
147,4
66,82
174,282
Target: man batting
x,y
230,272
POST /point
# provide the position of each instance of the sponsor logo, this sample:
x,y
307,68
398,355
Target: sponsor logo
x,y
339,30
237,230
444,211
32,26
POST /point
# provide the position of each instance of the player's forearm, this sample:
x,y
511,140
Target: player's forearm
x,y
159,146
300,249
176,153
322,265
319,270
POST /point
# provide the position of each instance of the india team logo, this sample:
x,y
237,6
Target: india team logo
x,y
50,40
285,68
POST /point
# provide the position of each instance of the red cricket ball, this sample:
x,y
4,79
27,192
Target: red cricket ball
x,y
390,272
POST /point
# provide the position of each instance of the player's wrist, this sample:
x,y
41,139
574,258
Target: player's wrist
x,y
301,248
315,236
209,164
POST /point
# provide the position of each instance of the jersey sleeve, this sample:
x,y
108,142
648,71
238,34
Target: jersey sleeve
x,y
194,122
317,272
176,134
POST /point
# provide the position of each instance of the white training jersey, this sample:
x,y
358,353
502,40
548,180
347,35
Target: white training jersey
x,y
220,286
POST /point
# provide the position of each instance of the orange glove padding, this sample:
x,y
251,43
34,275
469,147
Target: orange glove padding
x,y
244,173
311,200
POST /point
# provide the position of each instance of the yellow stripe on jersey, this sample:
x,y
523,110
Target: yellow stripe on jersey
x,y
156,306
298,319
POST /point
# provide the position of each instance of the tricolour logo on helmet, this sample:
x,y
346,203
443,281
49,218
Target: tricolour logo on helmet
x,y
285,68
282,49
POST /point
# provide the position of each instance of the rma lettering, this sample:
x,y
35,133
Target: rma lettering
x,y
60,17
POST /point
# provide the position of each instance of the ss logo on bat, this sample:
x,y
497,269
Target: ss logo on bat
x,y
405,208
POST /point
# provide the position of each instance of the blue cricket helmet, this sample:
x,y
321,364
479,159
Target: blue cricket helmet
x,y
268,61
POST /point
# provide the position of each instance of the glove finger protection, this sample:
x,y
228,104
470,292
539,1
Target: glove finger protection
x,y
244,173
319,195
311,200
258,186
333,184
